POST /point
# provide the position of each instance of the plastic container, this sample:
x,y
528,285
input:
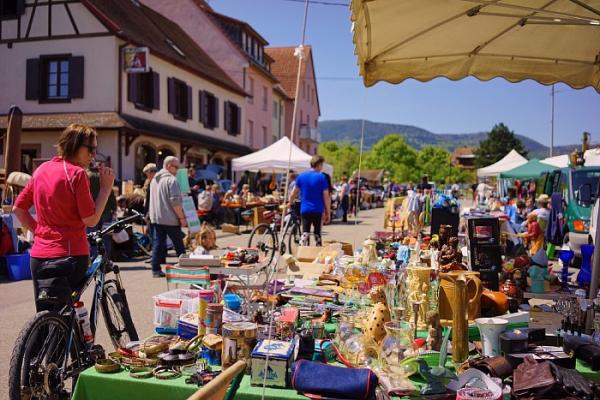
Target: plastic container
x,y
171,305
18,266
232,301
84,320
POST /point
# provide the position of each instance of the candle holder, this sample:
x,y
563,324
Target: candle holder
x,y
565,256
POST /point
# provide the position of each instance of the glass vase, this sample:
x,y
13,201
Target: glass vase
x,y
396,350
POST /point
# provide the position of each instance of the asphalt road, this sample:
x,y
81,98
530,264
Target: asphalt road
x,y
16,298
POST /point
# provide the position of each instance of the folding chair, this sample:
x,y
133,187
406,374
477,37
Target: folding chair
x,y
217,389
199,276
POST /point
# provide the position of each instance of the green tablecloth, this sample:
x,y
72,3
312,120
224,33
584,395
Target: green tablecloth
x,y
92,385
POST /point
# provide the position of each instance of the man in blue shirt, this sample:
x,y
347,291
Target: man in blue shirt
x,y
315,202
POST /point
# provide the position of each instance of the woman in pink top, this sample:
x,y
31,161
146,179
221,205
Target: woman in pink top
x,y
60,193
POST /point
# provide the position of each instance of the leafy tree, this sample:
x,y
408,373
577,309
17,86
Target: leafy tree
x,y
394,155
344,158
499,142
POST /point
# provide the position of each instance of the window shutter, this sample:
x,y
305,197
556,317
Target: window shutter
x,y
76,77
32,89
216,112
238,121
201,101
171,93
189,102
132,87
226,117
155,91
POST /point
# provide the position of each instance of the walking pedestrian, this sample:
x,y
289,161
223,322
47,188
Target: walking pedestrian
x,y
166,214
345,198
60,192
315,202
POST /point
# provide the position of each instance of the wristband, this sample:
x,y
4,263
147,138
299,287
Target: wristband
x,y
141,372
107,366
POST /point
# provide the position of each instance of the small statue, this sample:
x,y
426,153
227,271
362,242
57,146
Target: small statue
x,y
377,295
434,334
534,237
538,271
444,234
369,252
450,257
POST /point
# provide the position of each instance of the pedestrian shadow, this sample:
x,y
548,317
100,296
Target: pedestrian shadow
x,y
133,268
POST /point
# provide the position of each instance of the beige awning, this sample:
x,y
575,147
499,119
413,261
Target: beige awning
x,y
549,41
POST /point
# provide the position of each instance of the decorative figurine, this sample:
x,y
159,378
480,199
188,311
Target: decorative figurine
x,y
538,271
375,330
450,257
444,234
418,290
369,252
534,237
434,334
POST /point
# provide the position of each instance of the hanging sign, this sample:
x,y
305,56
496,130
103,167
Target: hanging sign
x,y
135,59
191,216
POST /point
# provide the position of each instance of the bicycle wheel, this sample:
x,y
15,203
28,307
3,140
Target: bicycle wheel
x,y
263,238
117,316
294,238
37,364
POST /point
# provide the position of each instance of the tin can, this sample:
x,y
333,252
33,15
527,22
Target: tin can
x,y
214,318
202,306
239,339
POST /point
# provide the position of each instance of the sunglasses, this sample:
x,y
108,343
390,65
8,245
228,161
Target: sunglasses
x,y
91,149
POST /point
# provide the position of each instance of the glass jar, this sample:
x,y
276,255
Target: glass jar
x,y
396,350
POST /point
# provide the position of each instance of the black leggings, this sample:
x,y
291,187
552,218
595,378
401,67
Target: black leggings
x,y
314,219
54,279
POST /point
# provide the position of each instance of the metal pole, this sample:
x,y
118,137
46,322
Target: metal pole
x,y
552,125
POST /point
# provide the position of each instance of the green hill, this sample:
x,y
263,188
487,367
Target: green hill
x,y
348,131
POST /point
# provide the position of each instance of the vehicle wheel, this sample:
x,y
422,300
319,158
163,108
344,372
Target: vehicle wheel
x,y
294,239
117,316
262,238
38,358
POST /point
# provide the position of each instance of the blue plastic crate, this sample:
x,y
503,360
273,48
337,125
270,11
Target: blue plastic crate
x,y
18,266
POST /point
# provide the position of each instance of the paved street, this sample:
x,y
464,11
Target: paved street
x,y
17,302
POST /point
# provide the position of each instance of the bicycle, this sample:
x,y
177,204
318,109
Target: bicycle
x,y
50,351
265,237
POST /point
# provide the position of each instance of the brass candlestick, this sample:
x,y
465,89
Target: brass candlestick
x,y
460,324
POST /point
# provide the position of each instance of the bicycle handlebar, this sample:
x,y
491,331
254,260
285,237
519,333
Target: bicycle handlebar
x,y
118,225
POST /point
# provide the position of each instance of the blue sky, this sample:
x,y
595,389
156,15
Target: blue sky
x,y
441,106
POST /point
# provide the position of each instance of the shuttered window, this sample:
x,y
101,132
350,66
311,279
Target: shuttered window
x,y
143,89
209,109
232,118
54,79
11,9
180,99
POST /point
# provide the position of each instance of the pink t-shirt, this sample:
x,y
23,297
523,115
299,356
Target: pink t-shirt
x,y
60,193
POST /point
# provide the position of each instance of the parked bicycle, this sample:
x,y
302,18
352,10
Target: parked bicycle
x,y
265,236
51,350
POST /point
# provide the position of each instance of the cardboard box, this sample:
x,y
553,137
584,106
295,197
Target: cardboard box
x,y
280,358
308,253
306,270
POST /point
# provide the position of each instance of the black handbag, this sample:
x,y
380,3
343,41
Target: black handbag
x,y
583,349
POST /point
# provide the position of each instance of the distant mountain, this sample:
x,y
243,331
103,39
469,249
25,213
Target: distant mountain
x,y
348,131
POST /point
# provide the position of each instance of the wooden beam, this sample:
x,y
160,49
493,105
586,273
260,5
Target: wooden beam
x,y
184,147
129,139
56,37
71,19
31,19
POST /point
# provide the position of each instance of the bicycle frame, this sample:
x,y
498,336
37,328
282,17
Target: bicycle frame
x,y
97,271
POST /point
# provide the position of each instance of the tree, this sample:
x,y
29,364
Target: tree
x,y
436,164
343,159
499,142
394,155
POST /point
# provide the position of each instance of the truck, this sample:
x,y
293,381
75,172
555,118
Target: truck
x,y
579,188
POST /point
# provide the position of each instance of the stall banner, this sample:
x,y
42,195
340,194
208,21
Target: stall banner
x,y
191,216
182,178
135,59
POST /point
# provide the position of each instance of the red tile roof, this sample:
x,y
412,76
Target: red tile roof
x,y
142,26
285,66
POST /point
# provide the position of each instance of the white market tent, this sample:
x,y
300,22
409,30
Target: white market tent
x,y
275,158
512,160
591,156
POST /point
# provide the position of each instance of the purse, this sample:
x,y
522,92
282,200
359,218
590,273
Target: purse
x,y
534,380
496,367
584,349
314,378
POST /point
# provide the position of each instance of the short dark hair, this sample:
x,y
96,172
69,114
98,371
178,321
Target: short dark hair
x,y
316,160
73,138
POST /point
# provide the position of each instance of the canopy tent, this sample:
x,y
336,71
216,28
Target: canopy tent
x,y
508,162
548,41
591,157
532,169
275,158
